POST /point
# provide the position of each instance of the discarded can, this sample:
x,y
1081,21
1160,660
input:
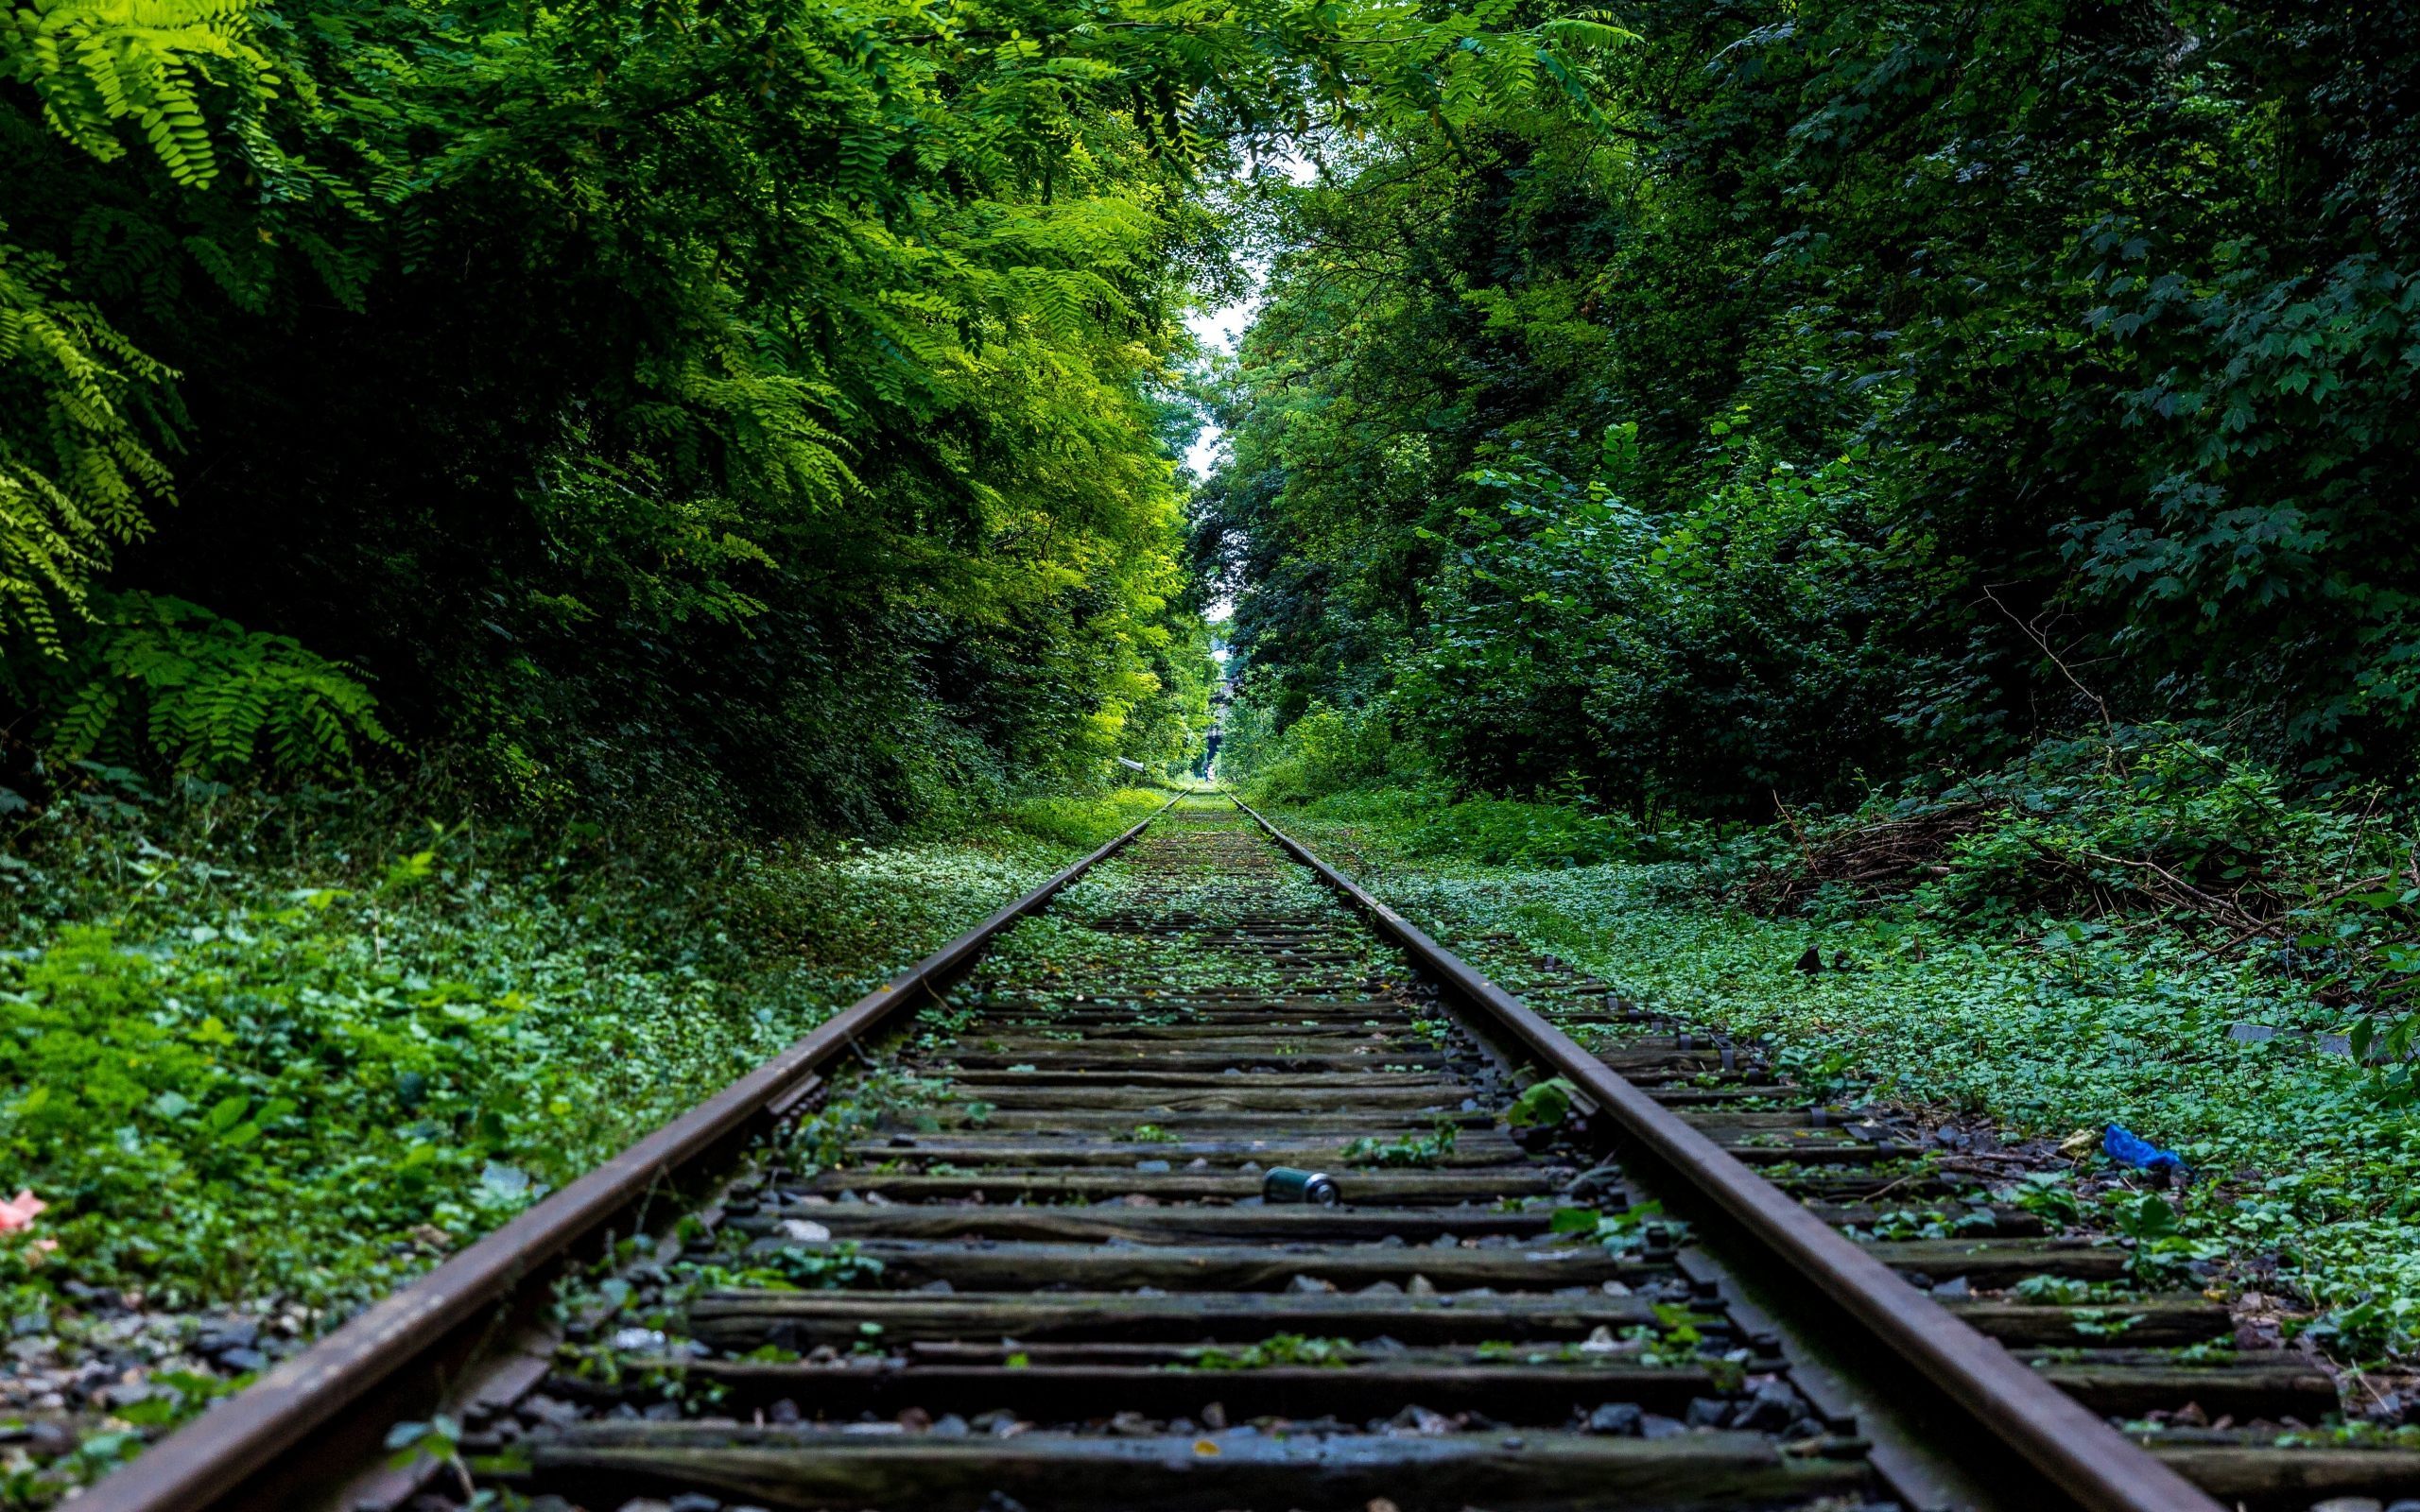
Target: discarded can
x,y
1285,1184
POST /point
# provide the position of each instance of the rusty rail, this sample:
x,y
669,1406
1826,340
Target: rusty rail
x,y
256,1444
2073,1448
299,1432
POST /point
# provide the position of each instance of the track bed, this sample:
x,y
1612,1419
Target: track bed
x,y
1083,1299
1016,1244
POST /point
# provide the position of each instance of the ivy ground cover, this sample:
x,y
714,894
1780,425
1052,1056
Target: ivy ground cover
x,y
2049,1028
256,1052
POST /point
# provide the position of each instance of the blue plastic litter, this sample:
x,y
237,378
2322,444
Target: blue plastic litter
x,y
2126,1147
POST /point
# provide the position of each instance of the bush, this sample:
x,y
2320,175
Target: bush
x,y
2151,816
2130,821
2158,830
1085,822
1330,750
1739,638
1497,831
154,676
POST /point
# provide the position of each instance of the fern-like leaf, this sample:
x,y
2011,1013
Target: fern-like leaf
x,y
163,679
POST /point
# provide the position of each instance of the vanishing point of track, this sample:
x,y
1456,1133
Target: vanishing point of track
x,y
1006,1234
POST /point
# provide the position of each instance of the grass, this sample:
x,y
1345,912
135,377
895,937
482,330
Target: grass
x,y
2045,1024
292,1051
1084,823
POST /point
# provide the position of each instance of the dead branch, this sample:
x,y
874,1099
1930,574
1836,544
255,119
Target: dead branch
x,y
2034,633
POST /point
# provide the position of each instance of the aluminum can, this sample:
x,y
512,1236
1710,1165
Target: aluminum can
x,y
1286,1184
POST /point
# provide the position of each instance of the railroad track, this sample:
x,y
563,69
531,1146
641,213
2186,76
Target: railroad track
x,y
1033,1228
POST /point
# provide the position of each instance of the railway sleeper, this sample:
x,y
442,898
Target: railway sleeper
x,y
804,1467
1030,1306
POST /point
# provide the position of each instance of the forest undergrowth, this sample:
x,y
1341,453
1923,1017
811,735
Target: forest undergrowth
x,y
1924,486
282,1053
1927,485
2067,953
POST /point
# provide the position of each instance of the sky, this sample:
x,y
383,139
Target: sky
x,y
1219,330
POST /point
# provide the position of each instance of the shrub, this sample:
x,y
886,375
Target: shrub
x,y
1085,822
157,677
1511,833
2132,820
1331,750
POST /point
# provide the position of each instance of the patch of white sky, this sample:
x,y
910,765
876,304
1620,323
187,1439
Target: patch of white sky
x,y
1219,330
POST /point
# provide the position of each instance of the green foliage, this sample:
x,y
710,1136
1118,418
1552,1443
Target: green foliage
x,y
1510,831
2147,827
2372,1327
222,1010
2063,1291
765,409
439,1438
156,677
2081,821
1543,1105
1830,400
2049,1196
828,1268
94,66
1428,821
860,405
76,467
1923,1223
75,474
1326,751
2040,1021
1085,822
1630,1230
2162,1251
1410,1150
879,1092
1721,645
1279,1349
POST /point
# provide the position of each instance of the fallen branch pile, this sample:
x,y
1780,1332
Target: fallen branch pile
x,y
1871,858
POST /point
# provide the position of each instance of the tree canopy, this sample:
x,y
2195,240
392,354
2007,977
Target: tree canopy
x,y
776,403
1854,386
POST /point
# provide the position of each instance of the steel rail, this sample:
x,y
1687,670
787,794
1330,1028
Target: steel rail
x,y
211,1459
2069,1445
